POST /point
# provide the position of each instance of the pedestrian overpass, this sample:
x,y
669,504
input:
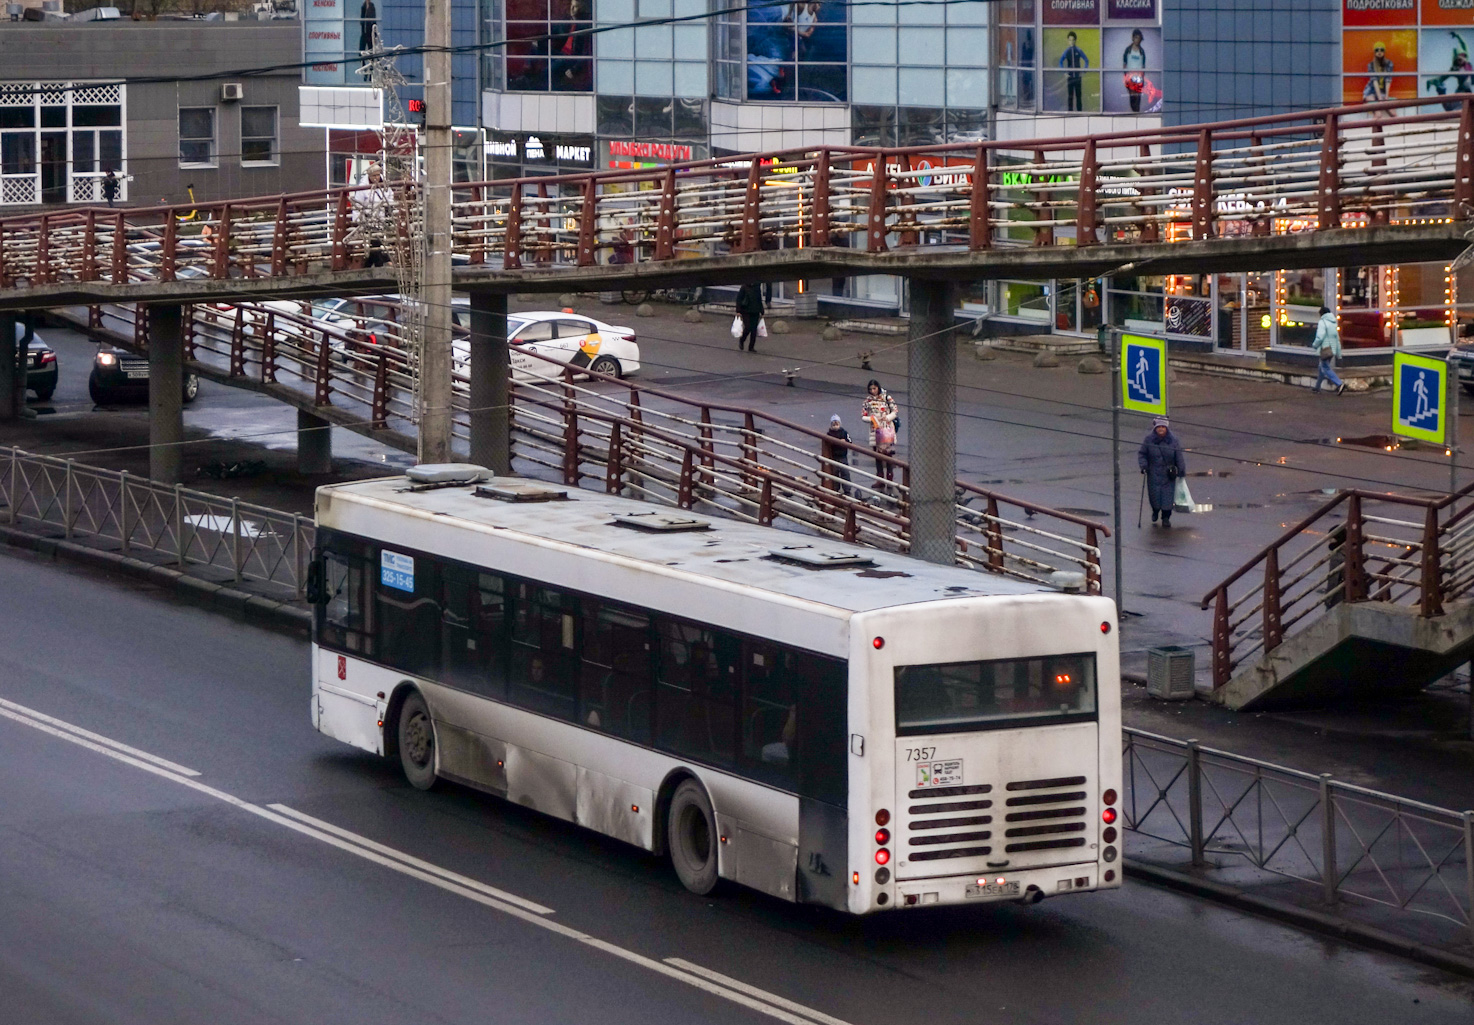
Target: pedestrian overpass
x,y
1377,183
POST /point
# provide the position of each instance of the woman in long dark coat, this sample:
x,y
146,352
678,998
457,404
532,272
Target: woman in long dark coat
x,y
1160,458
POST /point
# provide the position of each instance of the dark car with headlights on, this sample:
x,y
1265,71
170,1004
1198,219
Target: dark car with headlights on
x,y
120,376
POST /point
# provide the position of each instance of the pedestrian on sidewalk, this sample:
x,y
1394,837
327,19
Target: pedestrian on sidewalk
x,y
1328,350
879,410
839,456
1160,458
110,186
750,309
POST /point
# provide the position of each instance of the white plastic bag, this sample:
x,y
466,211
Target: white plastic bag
x,y
762,328
737,326
1182,499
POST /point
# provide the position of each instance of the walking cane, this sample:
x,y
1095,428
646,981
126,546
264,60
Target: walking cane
x,y
1141,501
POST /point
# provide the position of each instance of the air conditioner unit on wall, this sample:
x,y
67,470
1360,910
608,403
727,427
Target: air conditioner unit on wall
x,y
231,91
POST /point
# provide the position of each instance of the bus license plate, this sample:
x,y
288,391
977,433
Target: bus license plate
x,y
992,889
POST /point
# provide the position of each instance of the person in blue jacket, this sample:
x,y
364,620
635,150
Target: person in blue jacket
x,y
1160,458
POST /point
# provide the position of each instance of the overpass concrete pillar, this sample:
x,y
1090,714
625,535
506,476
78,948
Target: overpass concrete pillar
x,y
491,439
314,444
931,369
12,374
165,392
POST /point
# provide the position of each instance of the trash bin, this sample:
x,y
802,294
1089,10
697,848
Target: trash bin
x,y
1170,672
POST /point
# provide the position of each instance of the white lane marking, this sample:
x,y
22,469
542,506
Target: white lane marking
x,y
770,1004
409,859
60,724
726,980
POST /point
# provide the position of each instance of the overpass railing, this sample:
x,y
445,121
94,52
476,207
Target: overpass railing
x,y
593,430
1394,161
1360,546
151,520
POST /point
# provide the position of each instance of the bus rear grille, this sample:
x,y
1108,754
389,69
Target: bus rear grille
x,y
960,852
946,838
1044,845
1051,816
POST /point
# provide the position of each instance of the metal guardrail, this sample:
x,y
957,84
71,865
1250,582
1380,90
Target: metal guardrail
x,y
1227,811
1380,163
252,542
603,432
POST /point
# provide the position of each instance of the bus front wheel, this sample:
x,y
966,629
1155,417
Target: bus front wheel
x,y
691,834
417,742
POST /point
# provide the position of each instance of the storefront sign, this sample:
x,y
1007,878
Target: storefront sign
x,y
1071,12
1131,10
560,150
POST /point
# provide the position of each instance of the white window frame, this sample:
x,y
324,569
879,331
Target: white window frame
x,y
214,139
24,188
275,158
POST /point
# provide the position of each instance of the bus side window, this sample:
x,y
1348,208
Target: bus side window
x,y
409,620
614,677
695,706
544,651
347,613
821,686
769,715
473,648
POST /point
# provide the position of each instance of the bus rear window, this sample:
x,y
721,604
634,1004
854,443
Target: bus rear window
x,y
951,697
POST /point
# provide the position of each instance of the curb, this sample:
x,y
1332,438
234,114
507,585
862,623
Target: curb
x,y
249,608
1303,918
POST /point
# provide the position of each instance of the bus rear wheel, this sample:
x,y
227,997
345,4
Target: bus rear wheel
x,y
417,742
691,834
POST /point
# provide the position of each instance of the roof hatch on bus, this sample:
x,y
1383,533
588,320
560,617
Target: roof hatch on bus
x,y
505,490
819,558
659,522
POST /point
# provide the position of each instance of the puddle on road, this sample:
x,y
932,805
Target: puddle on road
x,y
1385,442
1081,512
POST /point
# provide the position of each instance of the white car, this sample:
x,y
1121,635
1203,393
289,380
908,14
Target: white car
x,y
568,338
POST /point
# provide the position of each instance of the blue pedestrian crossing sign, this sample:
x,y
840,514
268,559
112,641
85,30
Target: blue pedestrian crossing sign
x,y
1419,384
1144,375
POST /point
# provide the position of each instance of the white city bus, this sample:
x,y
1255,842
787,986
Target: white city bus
x,y
826,723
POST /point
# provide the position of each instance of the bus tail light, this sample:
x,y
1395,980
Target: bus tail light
x,y
855,879
1108,816
882,817
882,856
1109,797
878,643
882,836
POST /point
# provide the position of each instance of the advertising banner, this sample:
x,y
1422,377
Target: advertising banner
x,y
1401,49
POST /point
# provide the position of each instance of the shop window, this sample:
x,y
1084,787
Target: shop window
x,y
258,135
197,136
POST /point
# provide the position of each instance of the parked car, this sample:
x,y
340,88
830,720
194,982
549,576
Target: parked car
x,y
120,376
41,365
570,338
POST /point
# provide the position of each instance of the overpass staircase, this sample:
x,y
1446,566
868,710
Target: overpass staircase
x,y
1370,596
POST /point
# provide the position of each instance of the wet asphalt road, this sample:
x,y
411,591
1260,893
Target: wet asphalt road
x,y
130,895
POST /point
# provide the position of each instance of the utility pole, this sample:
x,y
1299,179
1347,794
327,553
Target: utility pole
x,y
435,349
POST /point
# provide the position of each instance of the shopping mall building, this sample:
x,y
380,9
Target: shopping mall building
x,y
664,81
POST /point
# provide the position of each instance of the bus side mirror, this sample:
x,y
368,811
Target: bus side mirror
x,y
314,589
